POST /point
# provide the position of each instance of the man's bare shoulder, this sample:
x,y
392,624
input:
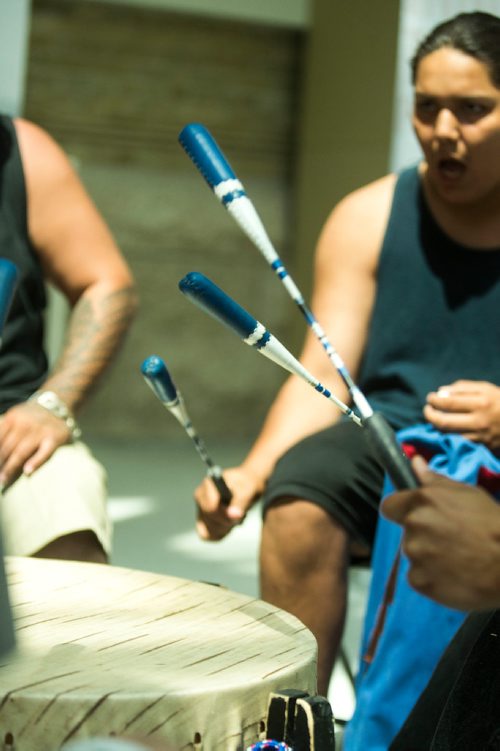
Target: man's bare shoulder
x,y
370,202
31,135
40,153
357,224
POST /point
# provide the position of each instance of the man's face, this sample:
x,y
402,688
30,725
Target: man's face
x,y
456,119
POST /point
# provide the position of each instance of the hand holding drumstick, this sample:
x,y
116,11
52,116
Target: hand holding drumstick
x,y
451,535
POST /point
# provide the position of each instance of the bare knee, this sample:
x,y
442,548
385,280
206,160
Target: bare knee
x,y
77,546
300,533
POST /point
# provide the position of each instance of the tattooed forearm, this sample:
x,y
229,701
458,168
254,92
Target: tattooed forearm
x,y
97,327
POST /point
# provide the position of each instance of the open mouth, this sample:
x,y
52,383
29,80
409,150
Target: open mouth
x,y
451,169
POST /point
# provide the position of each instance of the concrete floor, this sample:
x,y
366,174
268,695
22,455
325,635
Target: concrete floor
x,y
151,504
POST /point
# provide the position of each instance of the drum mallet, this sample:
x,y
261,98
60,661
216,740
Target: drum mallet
x,y
158,379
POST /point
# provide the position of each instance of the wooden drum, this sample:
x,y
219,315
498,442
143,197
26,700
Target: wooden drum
x,y
103,650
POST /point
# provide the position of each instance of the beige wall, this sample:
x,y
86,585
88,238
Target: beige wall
x,y
345,131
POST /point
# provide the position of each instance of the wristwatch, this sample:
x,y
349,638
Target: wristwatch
x,y
53,404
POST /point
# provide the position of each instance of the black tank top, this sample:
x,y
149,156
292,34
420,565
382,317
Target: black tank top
x,y
23,364
436,316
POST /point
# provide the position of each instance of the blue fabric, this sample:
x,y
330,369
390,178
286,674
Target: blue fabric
x,y
416,630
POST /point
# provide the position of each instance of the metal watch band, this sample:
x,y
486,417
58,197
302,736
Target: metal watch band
x,y
53,404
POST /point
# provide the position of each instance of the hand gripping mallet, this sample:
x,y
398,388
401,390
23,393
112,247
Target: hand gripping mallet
x,y
158,379
216,303
206,154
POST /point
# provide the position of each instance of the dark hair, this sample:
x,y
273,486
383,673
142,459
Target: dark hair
x,y
476,34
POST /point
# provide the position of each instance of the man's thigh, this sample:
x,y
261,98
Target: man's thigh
x,y
337,470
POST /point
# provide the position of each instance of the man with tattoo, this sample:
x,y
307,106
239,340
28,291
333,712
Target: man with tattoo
x,y
53,501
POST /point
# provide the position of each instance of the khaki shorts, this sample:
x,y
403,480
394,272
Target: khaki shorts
x,y
66,494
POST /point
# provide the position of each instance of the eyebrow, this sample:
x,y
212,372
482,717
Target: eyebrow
x,y
455,97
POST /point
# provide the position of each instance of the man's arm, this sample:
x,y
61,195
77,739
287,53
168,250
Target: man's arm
x,y
452,540
79,256
344,290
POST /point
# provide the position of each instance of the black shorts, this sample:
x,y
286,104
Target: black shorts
x,y
337,470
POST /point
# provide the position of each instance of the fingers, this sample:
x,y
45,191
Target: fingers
x,y
457,409
29,436
212,528
421,469
17,447
452,420
398,506
462,396
215,524
445,402
27,456
215,519
205,532
465,387
420,578
40,456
